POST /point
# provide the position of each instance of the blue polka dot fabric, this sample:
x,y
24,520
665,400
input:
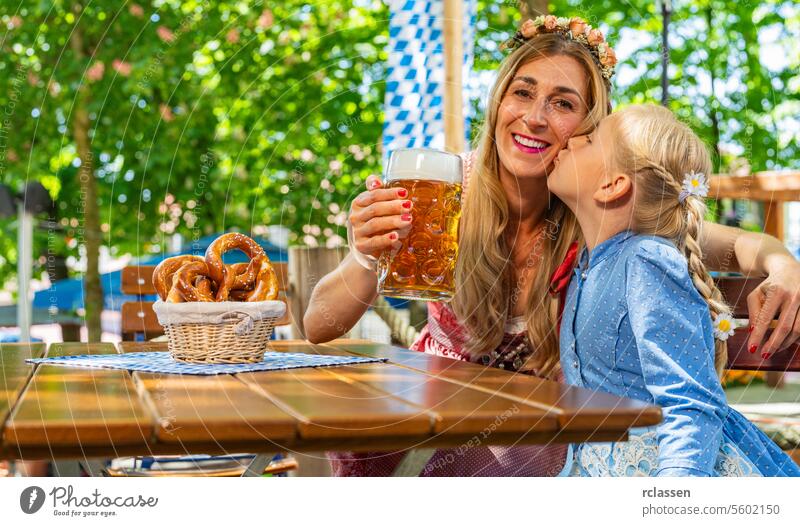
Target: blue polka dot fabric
x,y
162,362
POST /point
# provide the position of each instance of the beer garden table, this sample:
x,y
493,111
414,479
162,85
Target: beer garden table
x,y
413,401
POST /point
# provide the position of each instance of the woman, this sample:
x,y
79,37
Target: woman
x,y
514,235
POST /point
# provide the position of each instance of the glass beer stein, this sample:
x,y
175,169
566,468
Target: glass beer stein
x,y
424,267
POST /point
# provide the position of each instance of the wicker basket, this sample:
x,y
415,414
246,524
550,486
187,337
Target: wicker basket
x,y
224,332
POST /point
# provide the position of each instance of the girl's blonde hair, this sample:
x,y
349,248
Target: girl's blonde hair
x,y
657,150
484,274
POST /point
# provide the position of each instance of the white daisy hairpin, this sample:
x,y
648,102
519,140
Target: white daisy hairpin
x,y
723,326
694,183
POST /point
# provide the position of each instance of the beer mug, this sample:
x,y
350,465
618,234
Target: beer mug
x,y
424,267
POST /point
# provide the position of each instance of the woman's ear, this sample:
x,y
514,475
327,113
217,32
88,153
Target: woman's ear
x,y
617,186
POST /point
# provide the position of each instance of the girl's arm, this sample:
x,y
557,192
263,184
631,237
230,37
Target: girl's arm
x,y
672,331
754,254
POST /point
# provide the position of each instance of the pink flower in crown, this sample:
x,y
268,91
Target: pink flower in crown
x,y
595,37
266,19
607,56
95,71
136,10
123,68
528,29
550,22
165,34
577,26
232,36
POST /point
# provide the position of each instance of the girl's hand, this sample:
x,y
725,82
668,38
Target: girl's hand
x,y
779,293
380,218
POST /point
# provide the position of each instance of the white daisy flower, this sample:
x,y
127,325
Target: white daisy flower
x,y
695,183
723,326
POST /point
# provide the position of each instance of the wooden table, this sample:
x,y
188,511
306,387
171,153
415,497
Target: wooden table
x,y
413,401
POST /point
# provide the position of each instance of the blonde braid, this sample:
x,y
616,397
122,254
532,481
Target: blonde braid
x,y
695,212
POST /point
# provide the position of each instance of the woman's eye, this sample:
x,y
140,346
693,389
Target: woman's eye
x,y
523,93
564,104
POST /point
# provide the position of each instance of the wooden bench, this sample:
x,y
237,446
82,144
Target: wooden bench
x,y
139,320
735,290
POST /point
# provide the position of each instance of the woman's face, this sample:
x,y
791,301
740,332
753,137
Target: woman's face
x,y
541,109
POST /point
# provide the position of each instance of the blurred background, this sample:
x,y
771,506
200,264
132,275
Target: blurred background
x,y
154,125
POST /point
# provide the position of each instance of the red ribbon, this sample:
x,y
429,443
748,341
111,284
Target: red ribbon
x,y
559,282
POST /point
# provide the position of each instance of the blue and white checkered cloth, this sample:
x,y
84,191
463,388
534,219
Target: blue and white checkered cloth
x,y
414,104
162,362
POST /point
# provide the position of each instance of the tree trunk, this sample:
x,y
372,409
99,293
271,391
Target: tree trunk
x,y
533,8
92,288
666,12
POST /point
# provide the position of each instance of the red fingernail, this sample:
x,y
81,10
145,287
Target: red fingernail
x,y
402,193
406,204
392,236
750,329
765,355
753,348
406,217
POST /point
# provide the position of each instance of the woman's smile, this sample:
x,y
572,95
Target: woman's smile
x,y
528,144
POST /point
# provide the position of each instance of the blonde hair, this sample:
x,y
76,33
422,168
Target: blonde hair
x,y
656,149
484,273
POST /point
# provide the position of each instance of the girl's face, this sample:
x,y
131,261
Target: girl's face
x,y
580,168
541,109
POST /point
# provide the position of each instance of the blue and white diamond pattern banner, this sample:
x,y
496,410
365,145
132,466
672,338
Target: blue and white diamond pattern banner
x,y
415,81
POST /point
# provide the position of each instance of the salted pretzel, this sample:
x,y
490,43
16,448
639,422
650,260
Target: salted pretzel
x,y
192,278
191,283
265,281
164,272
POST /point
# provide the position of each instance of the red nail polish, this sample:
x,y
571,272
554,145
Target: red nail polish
x,y
406,204
402,193
765,355
405,217
753,348
392,236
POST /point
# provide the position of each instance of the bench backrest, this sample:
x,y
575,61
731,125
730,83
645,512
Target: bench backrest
x,y
138,317
735,291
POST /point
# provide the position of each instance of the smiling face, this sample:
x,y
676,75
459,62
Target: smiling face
x,y
582,167
544,104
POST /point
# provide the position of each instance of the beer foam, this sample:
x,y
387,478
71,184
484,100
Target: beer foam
x,y
424,163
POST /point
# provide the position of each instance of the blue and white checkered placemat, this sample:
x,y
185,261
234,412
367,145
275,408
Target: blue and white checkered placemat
x,y
162,362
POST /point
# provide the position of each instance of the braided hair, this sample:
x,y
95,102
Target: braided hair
x,y
657,150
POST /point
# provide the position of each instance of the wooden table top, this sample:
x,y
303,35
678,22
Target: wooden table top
x,y
413,400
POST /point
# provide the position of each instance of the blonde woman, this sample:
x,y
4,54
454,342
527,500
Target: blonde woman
x,y
514,235
643,318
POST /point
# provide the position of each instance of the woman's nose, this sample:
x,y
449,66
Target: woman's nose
x,y
535,117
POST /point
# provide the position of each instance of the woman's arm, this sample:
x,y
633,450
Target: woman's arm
x,y
339,300
753,254
379,218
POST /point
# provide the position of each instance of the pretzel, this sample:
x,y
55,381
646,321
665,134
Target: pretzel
x,y
191,283
220,273
164,272
266,285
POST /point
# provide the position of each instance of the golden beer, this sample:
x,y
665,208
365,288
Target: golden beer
x,y
424,267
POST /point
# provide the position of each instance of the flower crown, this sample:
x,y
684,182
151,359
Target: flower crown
x,y
573,29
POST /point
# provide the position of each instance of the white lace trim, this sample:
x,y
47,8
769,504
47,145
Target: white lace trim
x,y
638,457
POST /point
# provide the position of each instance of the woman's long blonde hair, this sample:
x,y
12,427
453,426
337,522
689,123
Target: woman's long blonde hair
x,y
484,273
657,150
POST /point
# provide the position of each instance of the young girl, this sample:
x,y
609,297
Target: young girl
x,y
643,318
